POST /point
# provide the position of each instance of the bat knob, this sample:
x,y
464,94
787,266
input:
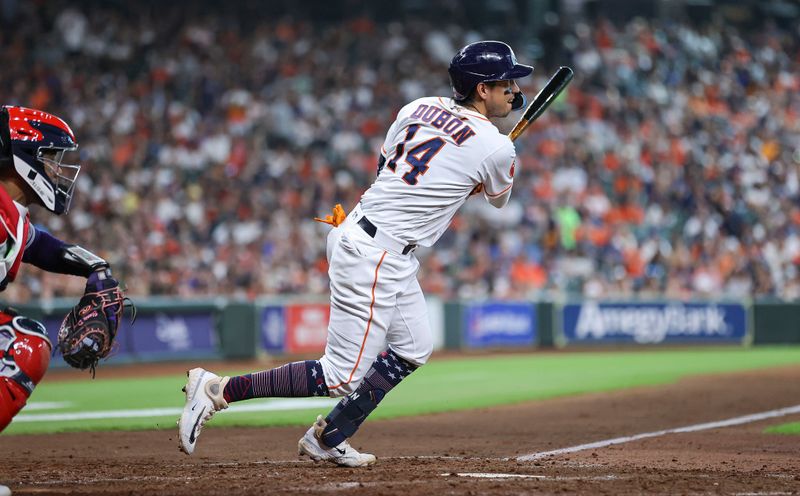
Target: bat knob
x,y
519,102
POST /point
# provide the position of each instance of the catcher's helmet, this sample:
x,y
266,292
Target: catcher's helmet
x,y
481,62
33,142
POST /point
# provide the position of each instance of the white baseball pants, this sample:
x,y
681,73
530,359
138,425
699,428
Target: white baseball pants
x,y
376,303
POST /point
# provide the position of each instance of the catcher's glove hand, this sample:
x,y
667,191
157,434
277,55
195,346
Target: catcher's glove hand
x,y
88,331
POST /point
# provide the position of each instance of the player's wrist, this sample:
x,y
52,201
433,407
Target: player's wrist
x,y
101,278
82,260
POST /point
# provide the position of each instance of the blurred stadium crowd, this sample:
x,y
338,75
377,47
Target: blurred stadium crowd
x,y
671,167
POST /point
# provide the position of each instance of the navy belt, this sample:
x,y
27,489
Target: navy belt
x,y
371,230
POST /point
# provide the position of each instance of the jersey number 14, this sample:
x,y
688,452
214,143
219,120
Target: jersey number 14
x,y
417,157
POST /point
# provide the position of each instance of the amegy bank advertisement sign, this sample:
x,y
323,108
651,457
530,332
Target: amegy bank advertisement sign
x,y
651,323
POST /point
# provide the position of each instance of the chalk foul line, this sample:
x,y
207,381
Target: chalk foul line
x,y
746,419
269,405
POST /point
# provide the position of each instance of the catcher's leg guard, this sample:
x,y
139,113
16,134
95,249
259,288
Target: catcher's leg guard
x,y
12,398
24,358
345,419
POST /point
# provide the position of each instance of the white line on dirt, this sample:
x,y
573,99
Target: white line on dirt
x,y
746,419
271,405
489,475
486,475
765,493
107,480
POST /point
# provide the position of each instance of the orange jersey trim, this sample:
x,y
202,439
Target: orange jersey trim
x,y
500,193
369,324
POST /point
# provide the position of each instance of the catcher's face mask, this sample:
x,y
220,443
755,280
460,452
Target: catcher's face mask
x,y
62,175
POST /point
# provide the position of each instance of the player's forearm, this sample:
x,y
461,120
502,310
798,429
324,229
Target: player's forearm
x,y
53,255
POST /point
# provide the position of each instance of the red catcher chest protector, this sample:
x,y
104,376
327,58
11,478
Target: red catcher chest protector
x,y
24,357
14,232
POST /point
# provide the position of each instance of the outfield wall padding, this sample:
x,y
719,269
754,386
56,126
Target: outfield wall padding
x,y
175,329
776,323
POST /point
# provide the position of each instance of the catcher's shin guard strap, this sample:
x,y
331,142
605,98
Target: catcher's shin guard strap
x,y
345,419
24,381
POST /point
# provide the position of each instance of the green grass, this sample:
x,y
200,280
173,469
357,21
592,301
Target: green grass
x,y
442,385
792,428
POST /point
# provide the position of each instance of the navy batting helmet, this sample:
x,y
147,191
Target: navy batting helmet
x,y
481,62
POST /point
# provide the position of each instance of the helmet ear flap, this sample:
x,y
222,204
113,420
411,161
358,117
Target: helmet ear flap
x,y
519,101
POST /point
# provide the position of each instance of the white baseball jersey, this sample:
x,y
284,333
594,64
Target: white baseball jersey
x,y
435,153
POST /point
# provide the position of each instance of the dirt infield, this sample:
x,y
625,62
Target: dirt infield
x,y
424,455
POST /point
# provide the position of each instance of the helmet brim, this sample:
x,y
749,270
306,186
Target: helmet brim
x,y
517,72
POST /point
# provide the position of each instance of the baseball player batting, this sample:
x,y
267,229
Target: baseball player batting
x,y
436,154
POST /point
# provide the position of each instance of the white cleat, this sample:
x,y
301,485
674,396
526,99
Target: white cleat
x,y
203,399
4,490
343,454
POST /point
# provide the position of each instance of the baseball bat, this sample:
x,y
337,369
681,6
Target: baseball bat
x,y
543,99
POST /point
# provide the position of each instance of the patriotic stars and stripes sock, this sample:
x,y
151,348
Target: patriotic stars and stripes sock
x,y
293,380
347,416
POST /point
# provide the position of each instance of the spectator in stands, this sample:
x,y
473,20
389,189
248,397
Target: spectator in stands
x,y
671,167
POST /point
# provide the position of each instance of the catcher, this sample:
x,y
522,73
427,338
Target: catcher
x,y
32,146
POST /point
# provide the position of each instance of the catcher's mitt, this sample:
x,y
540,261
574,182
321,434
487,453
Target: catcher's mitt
x,y
88,331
